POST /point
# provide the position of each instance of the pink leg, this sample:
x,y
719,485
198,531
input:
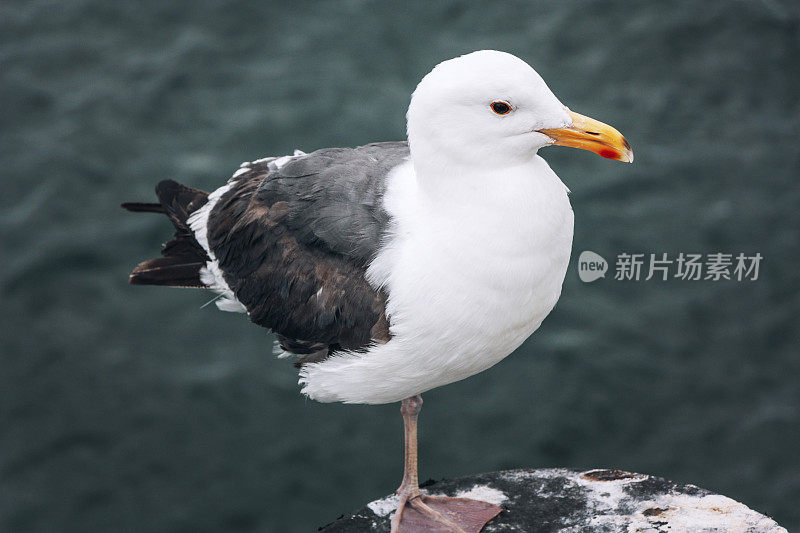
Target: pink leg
x,y
418,512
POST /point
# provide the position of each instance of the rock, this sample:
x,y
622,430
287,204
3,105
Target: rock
x,y
570,501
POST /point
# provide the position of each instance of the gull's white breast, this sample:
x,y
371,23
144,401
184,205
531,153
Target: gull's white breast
x,y
469,277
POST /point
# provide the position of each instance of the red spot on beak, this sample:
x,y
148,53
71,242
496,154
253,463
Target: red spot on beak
x,y
609,154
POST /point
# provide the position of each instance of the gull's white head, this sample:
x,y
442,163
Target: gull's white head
x,y
490,108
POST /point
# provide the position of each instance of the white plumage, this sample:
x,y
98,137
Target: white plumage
x,y
211,275
461,296
480,240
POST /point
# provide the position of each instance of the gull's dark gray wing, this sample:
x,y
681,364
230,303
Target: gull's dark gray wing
x,y
294,242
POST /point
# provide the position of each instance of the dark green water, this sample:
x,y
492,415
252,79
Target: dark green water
x,y
132,409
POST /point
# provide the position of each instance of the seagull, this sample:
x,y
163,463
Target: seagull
x,y
393,268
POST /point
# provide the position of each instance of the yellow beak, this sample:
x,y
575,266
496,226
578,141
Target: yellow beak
x,y
590,134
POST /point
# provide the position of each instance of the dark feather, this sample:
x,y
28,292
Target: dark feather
x,y
294,244
142,207
171,271
182,257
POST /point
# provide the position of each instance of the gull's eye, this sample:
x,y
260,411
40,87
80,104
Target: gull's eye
x,y
501,108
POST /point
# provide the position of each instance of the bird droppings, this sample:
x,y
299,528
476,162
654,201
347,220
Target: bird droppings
x,y
484,493
570,501
384,506
387,505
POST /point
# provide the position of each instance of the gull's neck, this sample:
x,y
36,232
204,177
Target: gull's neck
x,y
471,181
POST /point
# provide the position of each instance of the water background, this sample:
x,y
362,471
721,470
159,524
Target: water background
x,y
132,409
